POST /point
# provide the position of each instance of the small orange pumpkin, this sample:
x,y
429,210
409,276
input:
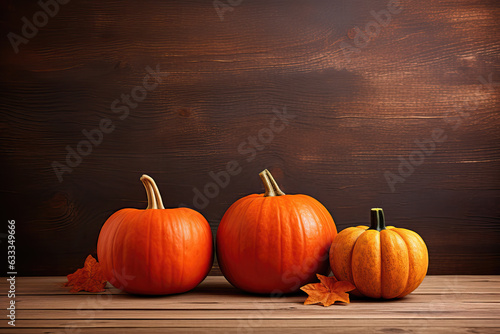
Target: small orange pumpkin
x,y
382,262
272,242
155,251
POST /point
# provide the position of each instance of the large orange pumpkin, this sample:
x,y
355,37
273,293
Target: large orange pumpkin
x,y
156,250
272,242
382,262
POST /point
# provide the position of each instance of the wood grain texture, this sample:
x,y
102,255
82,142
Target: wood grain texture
x,y
353,117
442,304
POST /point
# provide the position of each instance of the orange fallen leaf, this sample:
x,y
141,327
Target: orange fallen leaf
x,y
89,278
328,291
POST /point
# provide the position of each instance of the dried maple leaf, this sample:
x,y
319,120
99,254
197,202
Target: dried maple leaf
x,y
89,278
328,291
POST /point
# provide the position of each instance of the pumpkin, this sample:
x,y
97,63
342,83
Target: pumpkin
x,y
155,251
382,262
272,242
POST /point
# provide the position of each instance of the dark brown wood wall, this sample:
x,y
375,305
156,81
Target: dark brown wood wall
x,y
356,109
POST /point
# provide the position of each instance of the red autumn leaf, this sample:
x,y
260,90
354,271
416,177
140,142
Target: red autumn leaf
x,y
89,278
328,291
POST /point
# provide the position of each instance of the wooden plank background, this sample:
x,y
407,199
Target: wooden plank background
x,y
354,117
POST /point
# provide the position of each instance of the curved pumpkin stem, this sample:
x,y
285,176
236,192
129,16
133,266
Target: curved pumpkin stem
x,y
377,219
270,184
154,197
149,192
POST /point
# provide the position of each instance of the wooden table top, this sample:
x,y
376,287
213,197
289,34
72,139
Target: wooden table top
x,y
442,304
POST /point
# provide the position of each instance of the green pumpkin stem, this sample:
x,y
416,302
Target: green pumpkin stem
x,y
377,219
270,184
154,197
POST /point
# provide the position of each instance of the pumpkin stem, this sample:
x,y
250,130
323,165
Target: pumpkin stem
x,y
154,197
377,219
270,184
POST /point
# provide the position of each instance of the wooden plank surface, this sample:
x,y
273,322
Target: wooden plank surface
x,y
353,118
480,328
442,304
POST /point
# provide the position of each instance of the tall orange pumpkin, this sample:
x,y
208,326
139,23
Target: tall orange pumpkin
x,y
272,242
155,251
382,262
